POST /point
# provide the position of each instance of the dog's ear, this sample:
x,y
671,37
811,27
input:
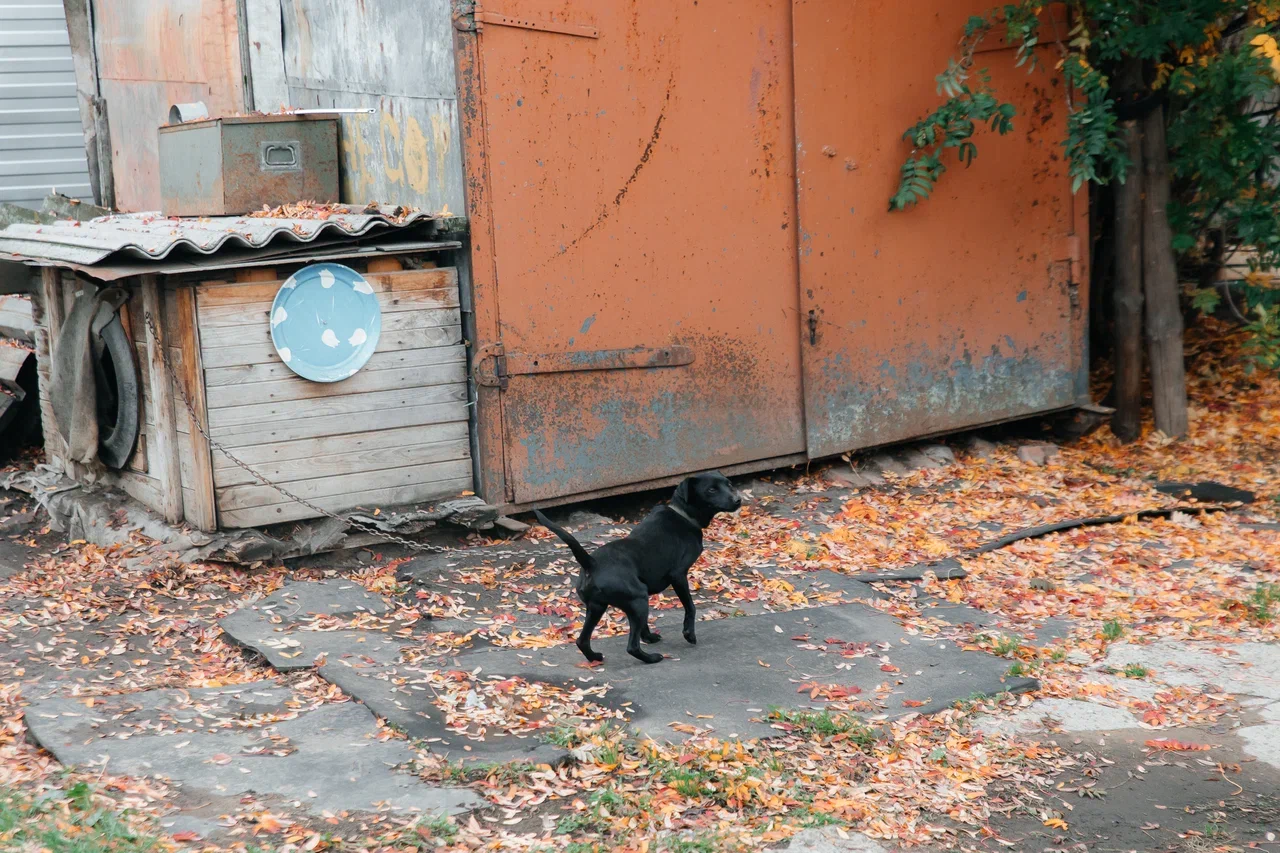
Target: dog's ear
x,y
683,490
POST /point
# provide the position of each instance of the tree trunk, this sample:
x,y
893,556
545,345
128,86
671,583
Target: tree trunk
x,y
1160,284
1127,291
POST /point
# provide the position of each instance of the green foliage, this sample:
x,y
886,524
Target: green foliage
x,y
826,724
1212,64
1260,602
71,825
1112,630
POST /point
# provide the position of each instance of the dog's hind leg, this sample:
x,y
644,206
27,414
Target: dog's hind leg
x,y
638,618
594,613
681,586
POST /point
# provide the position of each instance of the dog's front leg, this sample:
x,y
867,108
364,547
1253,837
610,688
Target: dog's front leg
x,y
681,586
594,614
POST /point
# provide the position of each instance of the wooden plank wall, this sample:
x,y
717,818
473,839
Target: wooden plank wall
x,y
394,433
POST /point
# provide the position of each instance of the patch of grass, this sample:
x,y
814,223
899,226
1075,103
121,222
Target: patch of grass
x,y
1135,670
826,724
1112,630
508,773
563,735
1260,602
1022,669
438,828
72,825
1000,645
812,819
1058,655
686,782
581,847
697,844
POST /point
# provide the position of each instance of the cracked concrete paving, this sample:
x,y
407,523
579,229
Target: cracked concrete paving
x,y
326,758
740,668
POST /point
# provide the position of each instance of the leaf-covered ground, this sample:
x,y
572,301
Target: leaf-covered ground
x,y
79,621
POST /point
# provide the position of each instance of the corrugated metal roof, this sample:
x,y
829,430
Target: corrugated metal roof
x,y
149,236
41,141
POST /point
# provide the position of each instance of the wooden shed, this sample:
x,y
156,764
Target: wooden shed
x,y
394,433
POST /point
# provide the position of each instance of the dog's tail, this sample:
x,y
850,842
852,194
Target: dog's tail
x,y
584,559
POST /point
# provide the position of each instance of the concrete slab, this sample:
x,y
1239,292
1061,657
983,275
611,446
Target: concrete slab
x,y
1249,669
1263,740
325,759
1071,715
829,840
742,667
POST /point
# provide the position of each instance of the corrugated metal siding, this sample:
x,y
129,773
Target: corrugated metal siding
x,y
41,141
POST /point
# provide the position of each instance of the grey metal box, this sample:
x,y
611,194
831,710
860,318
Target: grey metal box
x,y
230,166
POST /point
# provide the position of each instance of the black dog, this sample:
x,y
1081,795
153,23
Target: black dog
x,y
656,555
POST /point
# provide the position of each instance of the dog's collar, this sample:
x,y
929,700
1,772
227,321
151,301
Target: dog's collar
x,y
678,511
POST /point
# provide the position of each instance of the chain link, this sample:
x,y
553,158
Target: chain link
x,y
195,421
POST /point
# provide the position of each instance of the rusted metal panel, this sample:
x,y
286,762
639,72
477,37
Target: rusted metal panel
x,y
396,57
153,55
640,194
963,311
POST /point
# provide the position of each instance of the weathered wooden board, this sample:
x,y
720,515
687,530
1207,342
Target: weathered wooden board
x,y
259,313
255,494
259,516
409,151
356,442
164,438
390,360
362,409
262,352
358,465
214,294
235,336
230,396
201,508
246,435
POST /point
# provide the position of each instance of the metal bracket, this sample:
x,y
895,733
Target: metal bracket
x,y
498,19
491,367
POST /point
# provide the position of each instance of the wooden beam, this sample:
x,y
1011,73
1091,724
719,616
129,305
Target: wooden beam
x,y
202,509
165,464
49,313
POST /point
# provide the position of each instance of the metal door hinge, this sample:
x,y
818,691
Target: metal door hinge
x,y
494,366
481,17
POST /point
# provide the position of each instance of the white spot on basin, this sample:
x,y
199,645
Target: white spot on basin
x,y
280,316
363,286
326,279
329,339
285,355
357,338
289,284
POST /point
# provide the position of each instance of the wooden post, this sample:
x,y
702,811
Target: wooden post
x,y
47,313
165,461
202,510
1160,283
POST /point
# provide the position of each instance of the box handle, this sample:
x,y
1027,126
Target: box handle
x,y
281,156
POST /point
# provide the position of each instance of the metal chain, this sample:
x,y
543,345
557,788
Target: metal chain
x,y
195,421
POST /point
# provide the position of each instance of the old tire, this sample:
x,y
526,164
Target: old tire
x,y
117,440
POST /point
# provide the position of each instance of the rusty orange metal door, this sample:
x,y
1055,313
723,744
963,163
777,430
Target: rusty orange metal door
x,y
964,310
636,210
